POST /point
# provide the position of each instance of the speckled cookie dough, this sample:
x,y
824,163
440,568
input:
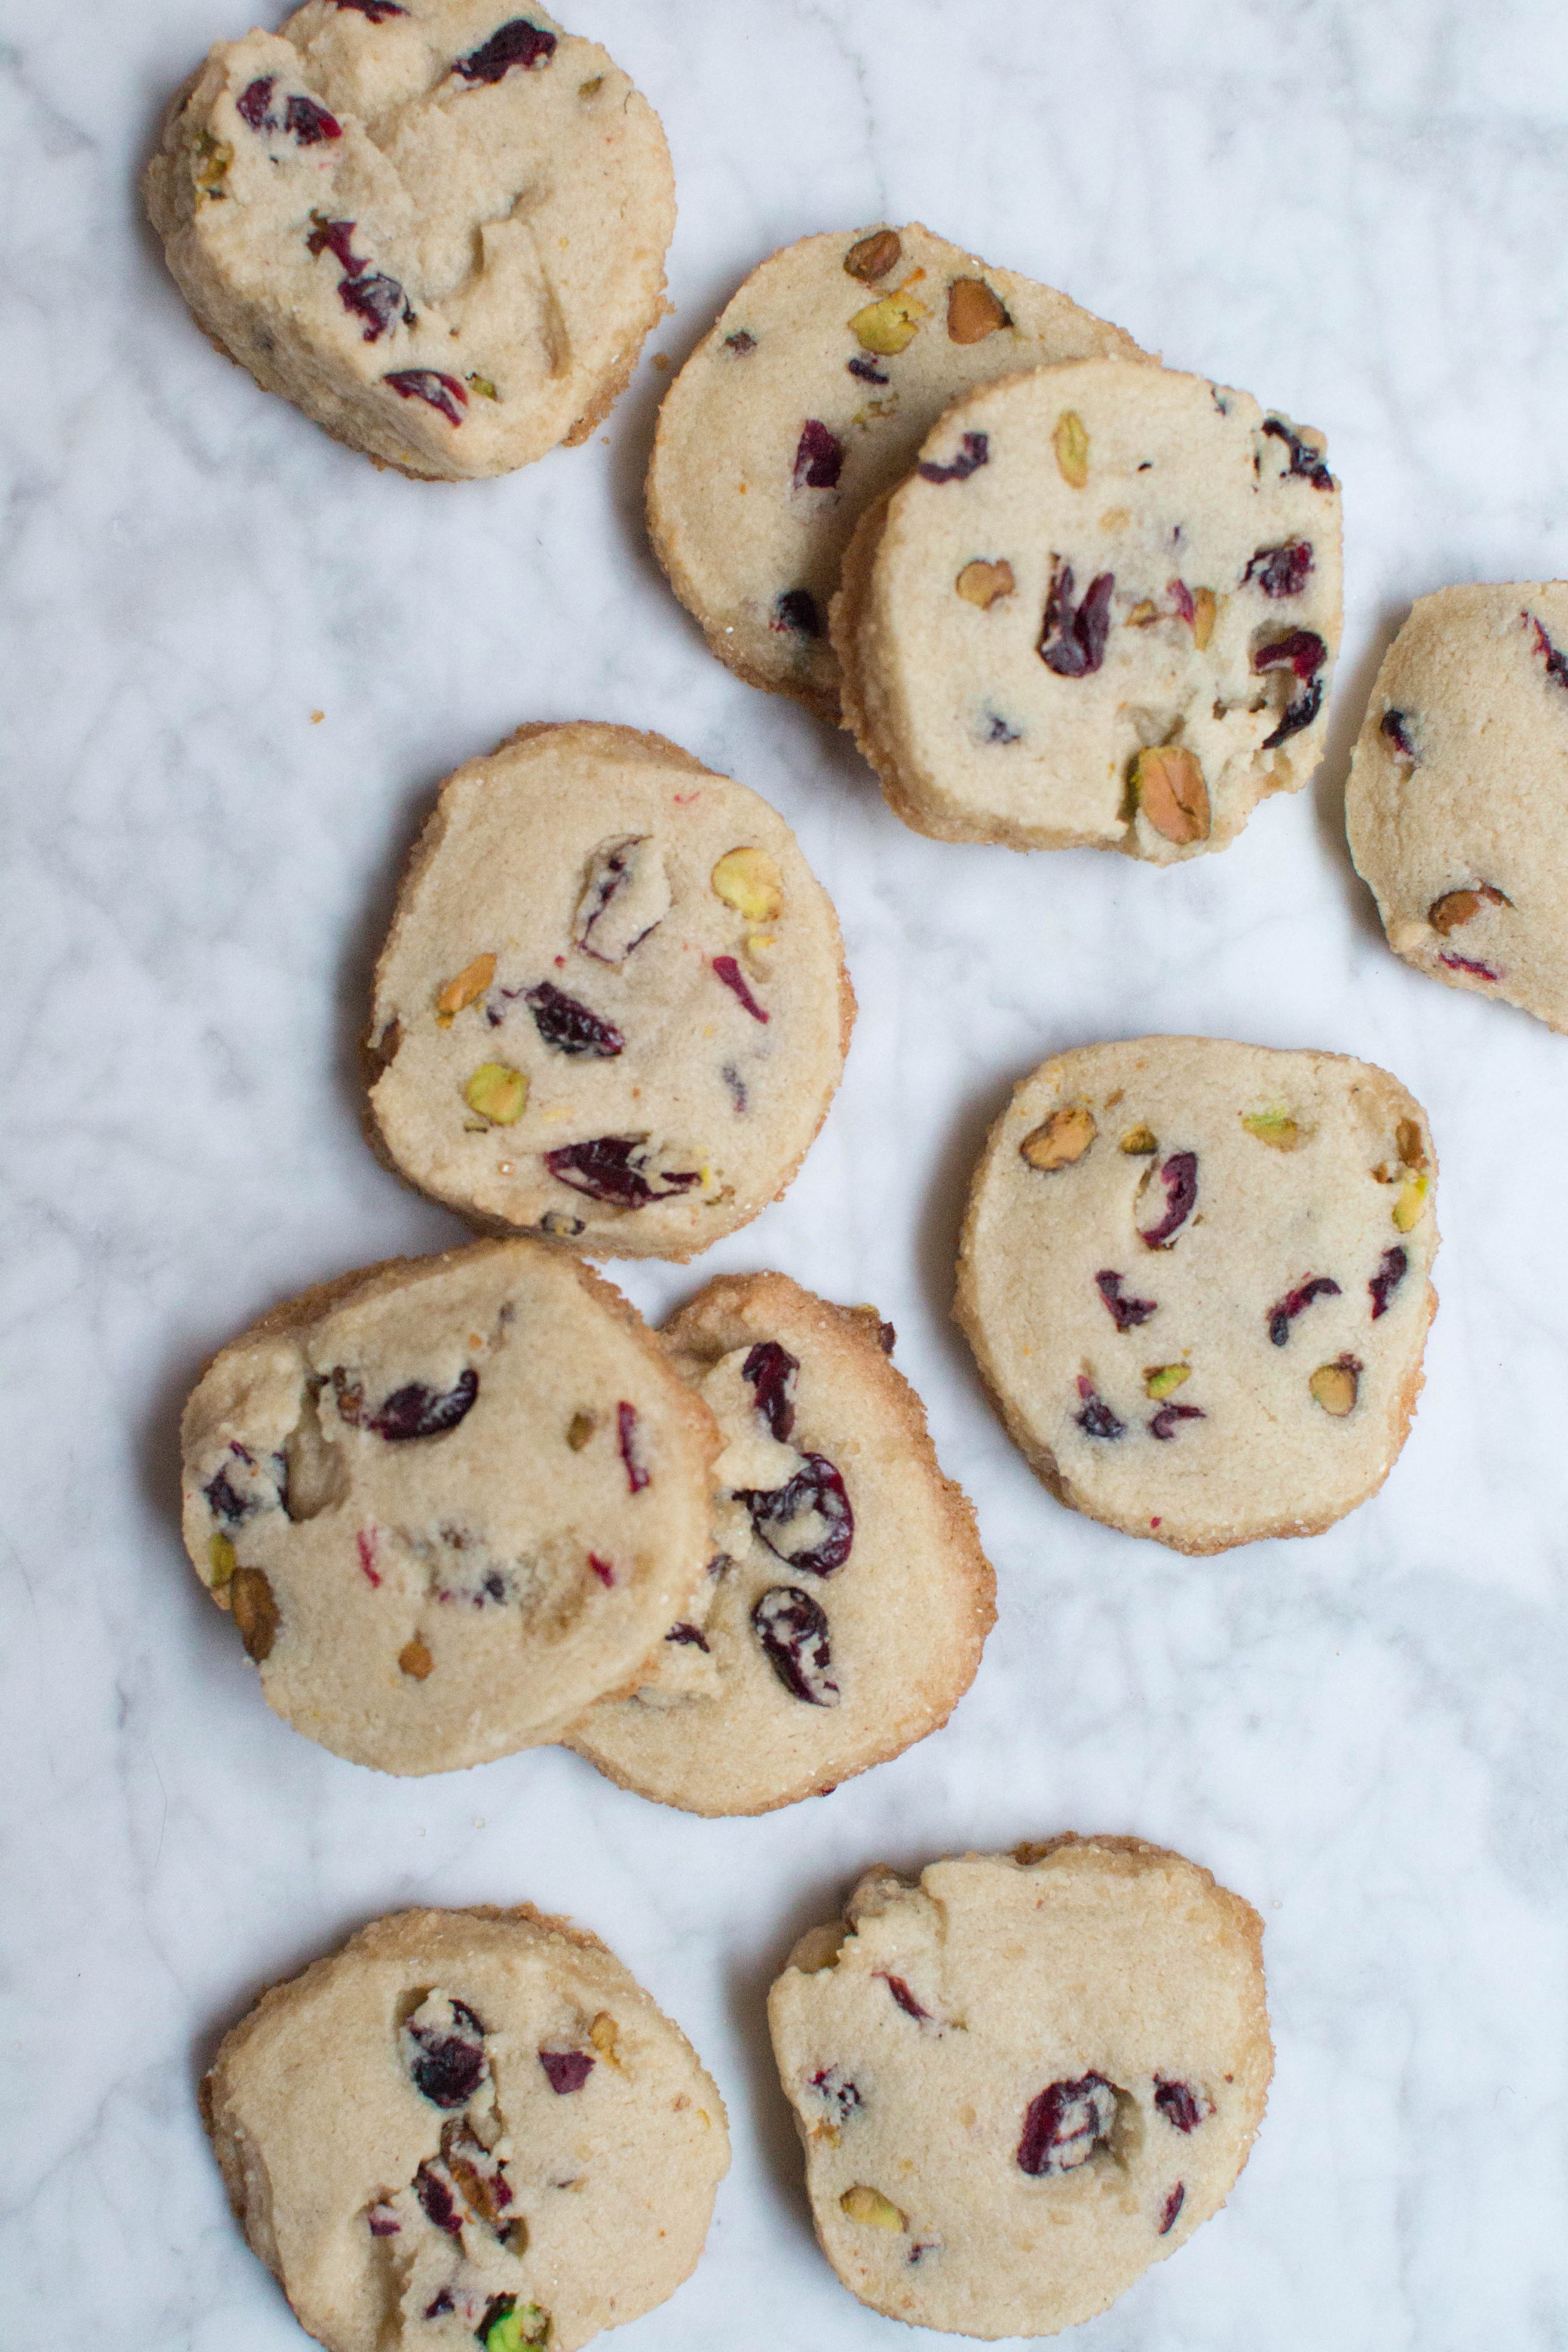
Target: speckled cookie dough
x,y
1454,807
1196,1277
1101,612
845,1608
467,2127
448,1502
1023,2079
612,1007
436,226
812,395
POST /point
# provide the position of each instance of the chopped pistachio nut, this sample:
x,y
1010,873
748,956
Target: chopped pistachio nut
x,y
484,387
580,1429
515,2328
1412,1151
1411,1206
1070,442
1272,1127
974,311
498,1092
220,1560
1063,1138
1144,614
1204,606
984,583
1334,1386
869,2205
1455,907
214,158
414,1659
471,984
750,881
1138,1143
871,257
591,89
890,326
1170,790
1161,1380
603,2033
254,1611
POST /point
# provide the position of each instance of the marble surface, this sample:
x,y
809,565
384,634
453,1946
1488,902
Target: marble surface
x,y
1356,213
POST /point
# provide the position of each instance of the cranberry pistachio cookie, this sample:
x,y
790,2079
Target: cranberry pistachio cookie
x,y
1023,2079
448,1501
1455,802
1196,1277
437,226
810,395
846,1606
612,1007
467,2127
1102,612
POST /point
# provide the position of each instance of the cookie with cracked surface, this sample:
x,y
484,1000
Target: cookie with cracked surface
x,y
612,1007
1102,612
437,226
845,1610
448,1502
1196,1277
467,2127
810,395
1023,2079
1454,807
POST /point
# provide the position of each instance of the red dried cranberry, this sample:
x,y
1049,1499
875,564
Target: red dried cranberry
x,y
737,1086
998,731
440,2305
1065,2125
567,2070
335,237
1556,662
1281,570
378,11
1304,652
792,1631
1072,640
1183,2107
797,609
311,123
836,2091
1280,1317
1096,1418
384,2223
626,1438
1468,964
518,43
741,343
904,1997
418,1412
1386,1280
225,1499
569,1027
436,2200
691,1636
867,372
610,1168
1163,1423
1395,727
974,452
603,1570
379,300
818,457
253,101
1181,595
816,1491
447,2067
442,392
1180,1178
1303,461
771,1370
726,969
1126,1313
1173,2207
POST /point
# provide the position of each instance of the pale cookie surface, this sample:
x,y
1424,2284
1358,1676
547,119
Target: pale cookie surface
x,y
612,1006
809,397
437,226
467,2127
845,1610
449,1502
1102,612
1195,1275
1023,2079
1454,807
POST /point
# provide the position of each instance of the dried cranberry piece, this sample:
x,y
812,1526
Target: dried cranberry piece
x,y
737,1086
837,2091
1181,595
1173,2207
974,453
1127,1313
792,1631
1303,461
569,1027
1096,1419
436,2200
384,2223
225,1500
1468,963
1281,570
1556,662
608,1169
816,1490
311,123
335,237
904,1997
378,299
626,1438
416,1411
868,371
797,609
1183,2107
818,457
252,102
603,1570
447,2067
726,969
378,11
1300,713
691,1636
1280,1317
1072,640
771,1370
1386,1280
1304,652
1180,1178
1065,2125
741,343
1163,1425
439,2305
438,391
567,2070
518,43
1396,729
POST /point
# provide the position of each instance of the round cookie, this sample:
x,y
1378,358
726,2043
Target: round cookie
x,y
1024,2079
1102,612
449,1501
467,2127
810,395
1454,806
1195,1275
437,226
612,1006
843,1614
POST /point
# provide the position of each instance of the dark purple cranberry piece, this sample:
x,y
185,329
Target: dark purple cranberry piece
x,y
311,123
440,2305
1301,650
838,2090
737,1086
1398,733
1556,662
904,1997
225,1499
1163,1423
418,1412
436,2201
974,453
1126,1313
1386,1280
429,385
792,1631
1096,1419
1281,570
1468,963
1303,461
1065,2125
383,2224
771,1370
603,1570
1073,639
517,44
569,1027
818,457
378,11
626,1438
1298,714
797,609
692,1636
998,731
447,2067
1281,1317
1179,2104
867,371
727,969
817,1487
335,237
252,104
741,343
1173,2207
1180,1178
378,299
567,2070
609,1169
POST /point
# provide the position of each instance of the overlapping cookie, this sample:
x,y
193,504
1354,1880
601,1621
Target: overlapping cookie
x,y
448,1502
1024,2079
437,226
809,396
1101,612
1196,1276
845,1608
612,1007
467,2127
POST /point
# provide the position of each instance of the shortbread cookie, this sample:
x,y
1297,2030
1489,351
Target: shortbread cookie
x,y
1455,805
467,2127
612,1006
810,395
845,1609
1102,612
1195,1275
449,1501
437,226
1024,2079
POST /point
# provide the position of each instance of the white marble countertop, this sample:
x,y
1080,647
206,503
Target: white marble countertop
x,y
1355,212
